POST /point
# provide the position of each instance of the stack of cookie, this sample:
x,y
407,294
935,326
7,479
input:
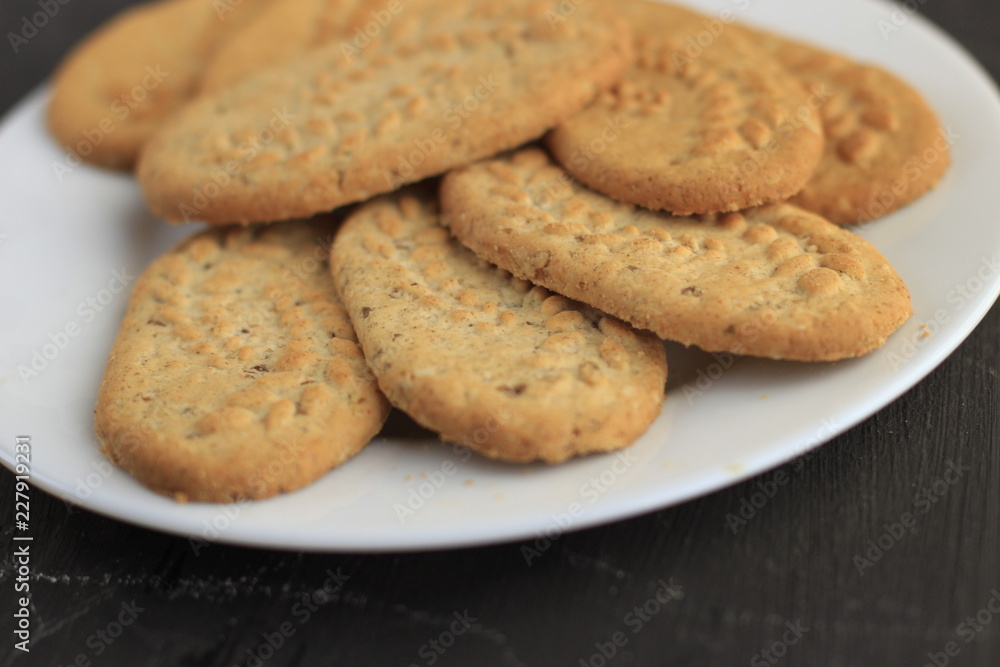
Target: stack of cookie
x,y
385,231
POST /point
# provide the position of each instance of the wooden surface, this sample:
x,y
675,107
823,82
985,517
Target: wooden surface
x,y
106,593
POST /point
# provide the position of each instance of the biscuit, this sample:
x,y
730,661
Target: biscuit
x,y
314,134
693,128
236,373
884,145
276,35
508,369
774,281
117,86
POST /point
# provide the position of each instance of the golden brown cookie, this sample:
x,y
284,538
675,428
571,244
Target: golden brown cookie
x,y
485,359
283,31
720,128
775,281
118,85
314,134
236,373
884,145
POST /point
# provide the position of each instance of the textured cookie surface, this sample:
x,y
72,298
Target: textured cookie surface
x,y
115,88
485,359
236,373
775,281
884,145
693,129
282,31
313,134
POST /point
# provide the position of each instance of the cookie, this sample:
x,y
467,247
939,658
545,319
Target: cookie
x,y
885,147
506,368
279,33
693,128
236,373
774,281
314,134
117,86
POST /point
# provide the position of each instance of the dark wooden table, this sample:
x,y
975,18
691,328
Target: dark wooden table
x,y
672,587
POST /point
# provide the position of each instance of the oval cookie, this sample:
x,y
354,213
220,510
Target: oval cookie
x,y
775,281
314,134
236,373
487,360
884,146
117,86
692,128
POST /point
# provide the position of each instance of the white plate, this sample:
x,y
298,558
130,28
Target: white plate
x,y
66,235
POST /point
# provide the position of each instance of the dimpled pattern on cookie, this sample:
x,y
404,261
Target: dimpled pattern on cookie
x,y
317,133
278,34
117,86
236,373
509,369
884,145
775,281
693,129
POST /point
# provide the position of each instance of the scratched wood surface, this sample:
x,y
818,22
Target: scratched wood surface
x,y
673,587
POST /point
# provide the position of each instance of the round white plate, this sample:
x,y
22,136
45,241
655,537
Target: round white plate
x,y
70,239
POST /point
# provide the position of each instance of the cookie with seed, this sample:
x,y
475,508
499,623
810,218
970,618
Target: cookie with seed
x,y
236,373
884,145
509,369
116,87
314,134
693,128
282,31
774,281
